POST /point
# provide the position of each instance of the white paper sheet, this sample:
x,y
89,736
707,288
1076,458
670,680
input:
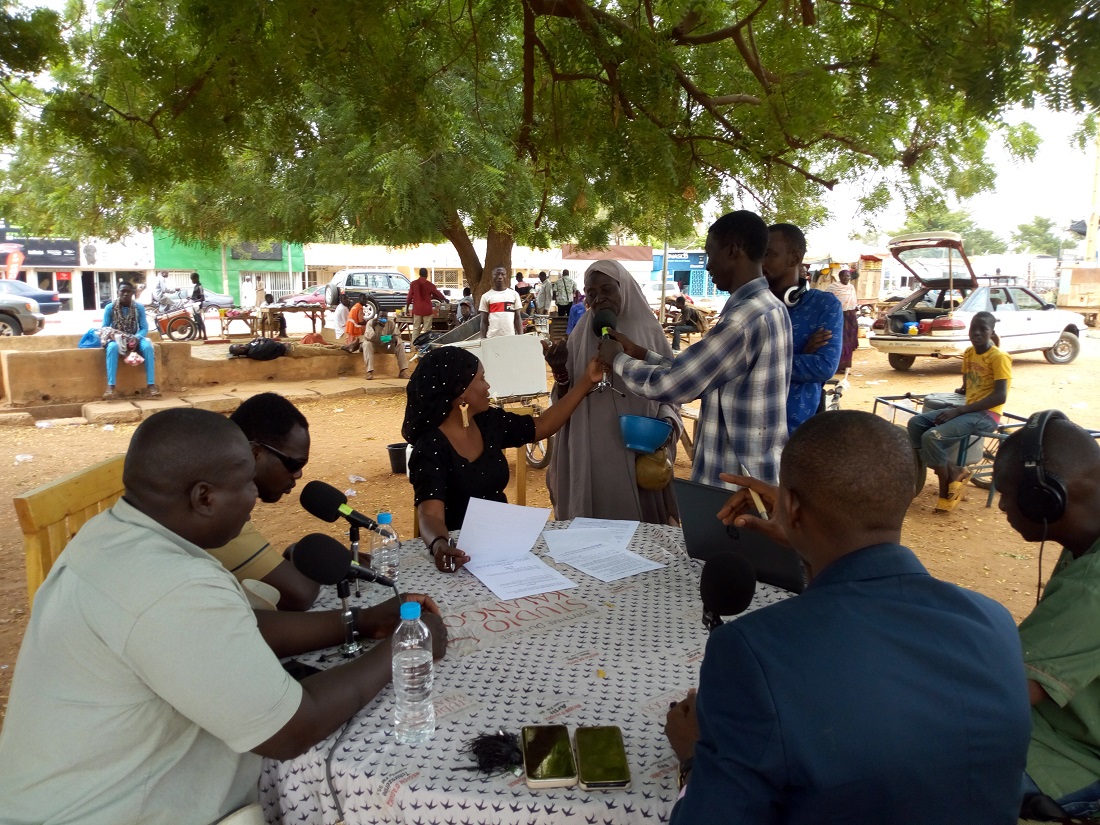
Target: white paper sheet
x,y
523,575
595,552
563,542
623,530
493,530
498,538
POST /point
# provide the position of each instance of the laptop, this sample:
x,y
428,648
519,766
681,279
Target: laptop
x,y
706,536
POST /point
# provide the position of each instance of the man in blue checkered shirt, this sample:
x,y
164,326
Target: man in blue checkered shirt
x,y
740,369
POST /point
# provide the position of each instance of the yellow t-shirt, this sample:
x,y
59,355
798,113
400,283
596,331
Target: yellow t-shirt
x,y
980,371
249,556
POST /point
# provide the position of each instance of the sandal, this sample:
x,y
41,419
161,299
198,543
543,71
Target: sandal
x,y
110,395
154,391
370,375
403,374
945,505
956,489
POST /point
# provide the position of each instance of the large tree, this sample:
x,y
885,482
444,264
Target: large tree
x,y
1039,237
520,120
935,216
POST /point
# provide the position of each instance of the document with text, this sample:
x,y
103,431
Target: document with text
x,y
498,538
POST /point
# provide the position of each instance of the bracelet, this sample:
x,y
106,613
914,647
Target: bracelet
x,y
431,551
685,769
561,380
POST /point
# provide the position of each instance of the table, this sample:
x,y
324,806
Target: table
x,y
269,317
596,654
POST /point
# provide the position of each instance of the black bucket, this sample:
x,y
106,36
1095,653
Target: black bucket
x,y
397,457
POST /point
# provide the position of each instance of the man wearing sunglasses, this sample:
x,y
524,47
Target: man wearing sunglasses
x,y
279,435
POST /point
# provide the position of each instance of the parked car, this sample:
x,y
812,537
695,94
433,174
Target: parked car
x,y
216,300
20,316
381,291
48,301
935,320
316,295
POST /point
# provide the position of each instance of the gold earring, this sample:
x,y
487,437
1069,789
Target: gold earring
x,y
462,408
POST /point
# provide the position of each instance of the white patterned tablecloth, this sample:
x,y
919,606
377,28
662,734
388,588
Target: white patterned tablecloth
x,y
596,654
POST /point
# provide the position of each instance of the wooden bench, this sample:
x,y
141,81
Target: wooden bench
x,y
50,515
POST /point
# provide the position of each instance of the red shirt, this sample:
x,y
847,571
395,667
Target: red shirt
x,y
420,296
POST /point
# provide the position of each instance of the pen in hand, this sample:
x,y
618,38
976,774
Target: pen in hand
x,y
756,500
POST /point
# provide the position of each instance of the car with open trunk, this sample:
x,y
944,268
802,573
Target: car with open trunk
x,y
935,320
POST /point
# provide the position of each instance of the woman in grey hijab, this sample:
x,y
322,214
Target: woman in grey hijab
x,y
591,472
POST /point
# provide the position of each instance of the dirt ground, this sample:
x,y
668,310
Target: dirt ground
x,y
973,546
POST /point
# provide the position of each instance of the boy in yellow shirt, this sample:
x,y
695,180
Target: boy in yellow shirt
x,y
987,373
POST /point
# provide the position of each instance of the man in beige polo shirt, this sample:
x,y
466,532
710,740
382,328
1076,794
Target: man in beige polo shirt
x,y
146,690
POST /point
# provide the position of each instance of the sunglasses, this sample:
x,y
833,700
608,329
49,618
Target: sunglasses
x,y
292,465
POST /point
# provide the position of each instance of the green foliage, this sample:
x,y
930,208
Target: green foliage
x,y
935,216
29,41
536,121
1039,237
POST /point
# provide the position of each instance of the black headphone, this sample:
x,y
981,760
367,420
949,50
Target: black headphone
x,y
1042,495
793,295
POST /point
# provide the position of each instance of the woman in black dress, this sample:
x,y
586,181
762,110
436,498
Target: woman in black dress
x,y
459,441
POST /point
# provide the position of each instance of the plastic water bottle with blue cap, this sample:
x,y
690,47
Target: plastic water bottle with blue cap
x,y
385,547
413,672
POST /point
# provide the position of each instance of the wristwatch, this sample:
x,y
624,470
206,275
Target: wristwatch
x,y
431,547
685,769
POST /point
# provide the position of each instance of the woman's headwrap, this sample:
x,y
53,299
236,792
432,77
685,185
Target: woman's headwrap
x,y
441,377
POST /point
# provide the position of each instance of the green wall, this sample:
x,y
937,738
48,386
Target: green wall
x,y
169,252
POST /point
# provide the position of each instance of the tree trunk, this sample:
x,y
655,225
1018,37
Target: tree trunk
x,y
455,232
498,252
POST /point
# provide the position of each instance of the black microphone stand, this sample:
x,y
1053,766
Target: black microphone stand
x,y
353,540
351,646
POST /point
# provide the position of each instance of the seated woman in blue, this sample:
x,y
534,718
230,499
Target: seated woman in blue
x,y
459,441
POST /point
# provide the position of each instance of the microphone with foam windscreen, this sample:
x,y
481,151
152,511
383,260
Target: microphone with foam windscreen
x,y
325,502
323,559
726,586
604,321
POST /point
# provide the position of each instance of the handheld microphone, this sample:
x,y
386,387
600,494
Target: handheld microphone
x,y
603,322
726,586
325,502
324,560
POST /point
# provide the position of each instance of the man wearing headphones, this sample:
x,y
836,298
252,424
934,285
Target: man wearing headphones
x,y
1048,475
817,322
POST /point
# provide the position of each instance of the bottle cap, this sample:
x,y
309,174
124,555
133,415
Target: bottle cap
x,y
410,611
385,517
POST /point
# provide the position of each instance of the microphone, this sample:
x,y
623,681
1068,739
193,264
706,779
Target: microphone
x,y
325,502
726,586
603,322
324,560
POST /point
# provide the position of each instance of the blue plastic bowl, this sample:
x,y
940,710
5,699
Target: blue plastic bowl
x,y
642,433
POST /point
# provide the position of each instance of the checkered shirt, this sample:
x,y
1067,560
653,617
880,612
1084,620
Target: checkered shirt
x,y
741,370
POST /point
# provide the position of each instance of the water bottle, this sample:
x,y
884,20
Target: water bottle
x,y
385,546
414,719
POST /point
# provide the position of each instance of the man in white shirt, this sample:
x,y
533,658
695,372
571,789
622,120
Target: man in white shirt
x,y
341,315
162,293
146,689
499,308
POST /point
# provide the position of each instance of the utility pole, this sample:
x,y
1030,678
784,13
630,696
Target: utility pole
x,y
1094,217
